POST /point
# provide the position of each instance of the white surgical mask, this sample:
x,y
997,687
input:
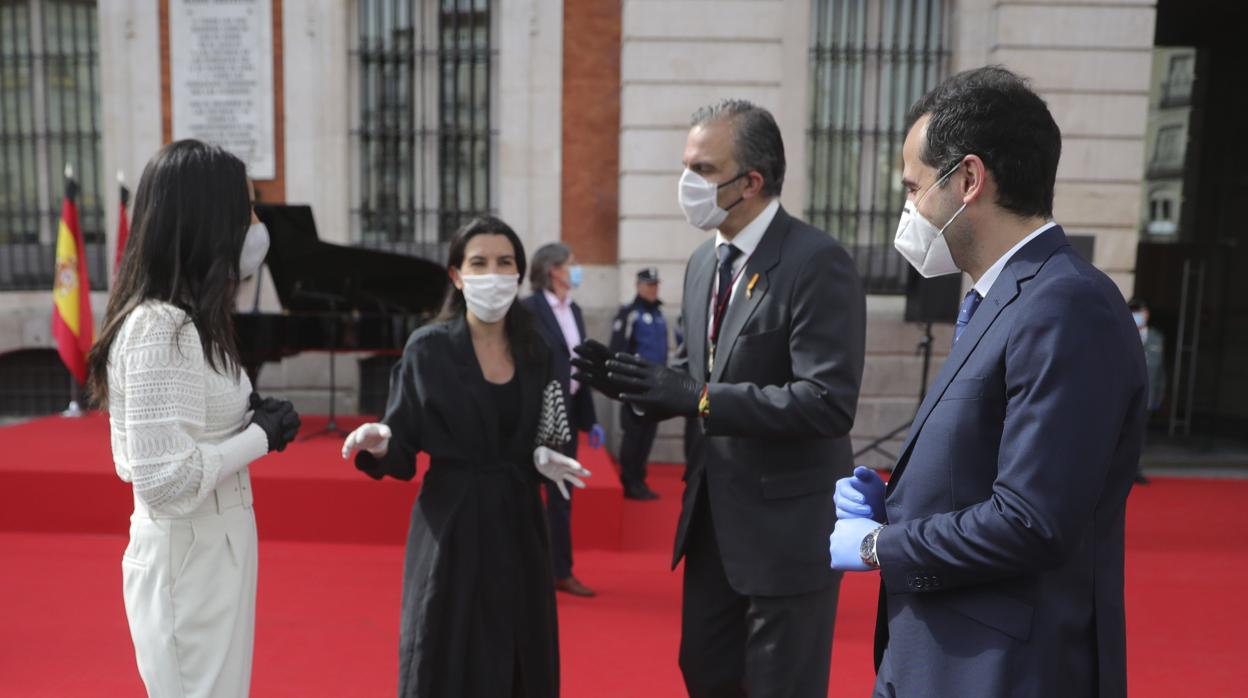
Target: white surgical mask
x,y
489,296
255,249
923,244
699,199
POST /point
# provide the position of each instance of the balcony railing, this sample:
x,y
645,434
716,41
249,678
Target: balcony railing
x,y
1165,169
1177,92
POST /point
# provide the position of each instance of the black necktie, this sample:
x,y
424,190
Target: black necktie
x,y
969,304
727,255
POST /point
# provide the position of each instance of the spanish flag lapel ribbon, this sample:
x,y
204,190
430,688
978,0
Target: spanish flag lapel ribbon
x,y
749,289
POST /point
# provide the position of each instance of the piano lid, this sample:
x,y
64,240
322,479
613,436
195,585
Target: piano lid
x,y
314,276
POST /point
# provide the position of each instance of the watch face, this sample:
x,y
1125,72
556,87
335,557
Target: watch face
x,y
864,549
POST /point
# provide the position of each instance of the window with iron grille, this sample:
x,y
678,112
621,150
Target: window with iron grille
x,y
870,60
49,117
423,135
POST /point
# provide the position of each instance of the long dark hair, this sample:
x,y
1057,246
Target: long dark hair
x,y
518,324
191,213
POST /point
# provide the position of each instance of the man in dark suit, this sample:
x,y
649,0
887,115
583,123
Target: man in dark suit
x,y
553,274
1001,557
773,322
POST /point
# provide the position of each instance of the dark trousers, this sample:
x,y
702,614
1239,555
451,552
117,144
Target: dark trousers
x,y
635,445
559,521
1139,465
738,645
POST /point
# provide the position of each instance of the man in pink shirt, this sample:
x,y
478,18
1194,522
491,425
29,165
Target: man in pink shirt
x,y
554,273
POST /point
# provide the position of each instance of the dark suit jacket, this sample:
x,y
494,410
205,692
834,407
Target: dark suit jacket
x,y
1002,564
581,414
782,401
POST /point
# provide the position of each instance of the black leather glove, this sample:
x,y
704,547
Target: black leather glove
x,y
591,368
277,418
654,388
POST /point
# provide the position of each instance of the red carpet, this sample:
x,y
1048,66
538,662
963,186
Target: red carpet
x,y
327,622
67,465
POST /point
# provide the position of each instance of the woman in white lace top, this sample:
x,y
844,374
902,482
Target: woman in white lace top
x,y
185,423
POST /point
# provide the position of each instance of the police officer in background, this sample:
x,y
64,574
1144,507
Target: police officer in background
x,y
1154,360
640,329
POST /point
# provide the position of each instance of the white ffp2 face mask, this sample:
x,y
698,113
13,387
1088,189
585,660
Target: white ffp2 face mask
x,y
489,296
923,244
255,249
699,200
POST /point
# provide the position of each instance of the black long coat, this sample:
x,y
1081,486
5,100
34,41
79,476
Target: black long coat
x,y
478,612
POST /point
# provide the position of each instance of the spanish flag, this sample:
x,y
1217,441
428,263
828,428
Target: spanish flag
x,y
71,294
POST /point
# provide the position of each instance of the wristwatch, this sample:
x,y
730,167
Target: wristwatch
x,y
867,549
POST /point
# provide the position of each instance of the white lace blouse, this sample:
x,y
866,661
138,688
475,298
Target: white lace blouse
x,y
178,427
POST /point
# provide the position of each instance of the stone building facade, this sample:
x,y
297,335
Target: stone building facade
x,y
589,106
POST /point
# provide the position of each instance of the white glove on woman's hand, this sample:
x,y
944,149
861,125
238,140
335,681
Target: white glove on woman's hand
x,y
559,468
372,437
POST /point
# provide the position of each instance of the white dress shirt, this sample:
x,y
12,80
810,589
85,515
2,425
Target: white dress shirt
x,y
984,285
747,241
567,324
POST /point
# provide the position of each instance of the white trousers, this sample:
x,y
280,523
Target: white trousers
x,y
190,590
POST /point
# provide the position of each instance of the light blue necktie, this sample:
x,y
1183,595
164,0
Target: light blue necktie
x,y
969,304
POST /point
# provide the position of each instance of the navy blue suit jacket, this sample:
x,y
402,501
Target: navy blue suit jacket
x,y
1002,564
581,414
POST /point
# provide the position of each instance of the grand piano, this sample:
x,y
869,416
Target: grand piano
x,y
333,297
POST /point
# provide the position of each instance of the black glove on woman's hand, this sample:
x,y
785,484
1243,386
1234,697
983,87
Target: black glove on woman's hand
x,y
277,418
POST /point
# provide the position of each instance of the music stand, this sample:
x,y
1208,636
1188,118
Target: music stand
x,y
331,426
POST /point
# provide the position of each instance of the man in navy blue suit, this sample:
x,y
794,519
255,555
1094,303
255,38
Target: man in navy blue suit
x,y
999,537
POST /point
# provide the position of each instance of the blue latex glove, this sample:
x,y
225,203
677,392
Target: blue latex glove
x,y
596,436
860,496
845,544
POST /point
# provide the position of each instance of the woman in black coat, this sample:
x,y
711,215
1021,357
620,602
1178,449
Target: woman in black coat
x,y
475,391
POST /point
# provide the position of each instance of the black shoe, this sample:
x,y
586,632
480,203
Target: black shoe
x,y
640,492
1141,480
573,586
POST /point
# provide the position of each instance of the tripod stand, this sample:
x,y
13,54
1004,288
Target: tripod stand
x,y
925,350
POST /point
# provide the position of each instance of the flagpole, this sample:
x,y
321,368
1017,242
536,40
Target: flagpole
x,y
74,410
